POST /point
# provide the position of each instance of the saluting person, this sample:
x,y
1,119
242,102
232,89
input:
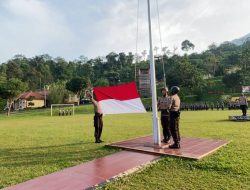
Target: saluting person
x,y
98,121
164,104
175,117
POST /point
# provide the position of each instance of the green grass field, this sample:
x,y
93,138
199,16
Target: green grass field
x,y
33,144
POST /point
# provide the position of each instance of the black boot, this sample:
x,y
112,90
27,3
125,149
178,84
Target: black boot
x,y
166,140
175,146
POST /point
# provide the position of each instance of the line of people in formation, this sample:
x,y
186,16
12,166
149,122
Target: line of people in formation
x,y
202,106
206,106
63,112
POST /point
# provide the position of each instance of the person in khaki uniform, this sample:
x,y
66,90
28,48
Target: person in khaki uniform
x,y
243,104
175,117
164,104
98,121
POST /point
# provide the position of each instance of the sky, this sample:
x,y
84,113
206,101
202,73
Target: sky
x,y
92,28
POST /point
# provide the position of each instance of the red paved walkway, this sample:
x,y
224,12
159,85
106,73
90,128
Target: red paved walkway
x,y
192,148
89,174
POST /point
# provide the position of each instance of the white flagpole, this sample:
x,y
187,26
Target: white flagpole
x,y
155,119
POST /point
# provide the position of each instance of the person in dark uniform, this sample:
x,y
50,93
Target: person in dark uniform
x,y
98,121
206,106
243,104
164,103
217,106
222,106
175,117
212,106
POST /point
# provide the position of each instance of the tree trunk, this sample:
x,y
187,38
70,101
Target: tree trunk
x,y
8,111
10,102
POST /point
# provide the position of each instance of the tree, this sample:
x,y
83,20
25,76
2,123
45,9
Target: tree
x,y
115,67
60,70
233,80
212,63
87,71
112,59
102,82
122,59
113,77
130,58
57,93
186,45
184,74
212,47
3,102
245,59
77,85
10,89
13,70
3,70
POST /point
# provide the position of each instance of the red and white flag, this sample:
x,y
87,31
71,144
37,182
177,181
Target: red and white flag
x,y
245,89
119,99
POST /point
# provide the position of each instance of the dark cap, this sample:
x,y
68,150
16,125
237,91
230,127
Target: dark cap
x,y
175,90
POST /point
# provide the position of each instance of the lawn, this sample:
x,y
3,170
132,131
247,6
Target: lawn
x,y
33,144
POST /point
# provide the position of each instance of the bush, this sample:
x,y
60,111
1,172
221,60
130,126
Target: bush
x,y
225,98
2,104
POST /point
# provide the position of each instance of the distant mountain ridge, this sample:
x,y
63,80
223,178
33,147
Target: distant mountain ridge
x,y
241,40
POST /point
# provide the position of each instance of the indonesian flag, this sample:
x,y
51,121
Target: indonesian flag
x,y
119,99
246,89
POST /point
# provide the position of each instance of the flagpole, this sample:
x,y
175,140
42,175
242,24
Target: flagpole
x,y
155,119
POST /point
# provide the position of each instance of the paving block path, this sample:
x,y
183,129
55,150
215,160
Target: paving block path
x,y
89,174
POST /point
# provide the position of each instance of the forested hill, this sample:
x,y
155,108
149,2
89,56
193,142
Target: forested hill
x,y
241,40
227,60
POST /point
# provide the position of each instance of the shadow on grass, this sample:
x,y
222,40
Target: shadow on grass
x,y
45,147
223,120
61,155
228,121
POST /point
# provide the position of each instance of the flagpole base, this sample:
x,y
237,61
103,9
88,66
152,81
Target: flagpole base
x,y
156,131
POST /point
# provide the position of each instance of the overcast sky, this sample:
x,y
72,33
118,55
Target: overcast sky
x,y
93,28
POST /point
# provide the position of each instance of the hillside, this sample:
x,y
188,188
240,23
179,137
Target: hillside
x,y
241,40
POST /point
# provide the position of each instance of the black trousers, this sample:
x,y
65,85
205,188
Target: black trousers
x,y
174,126
98,124
165,123
243,109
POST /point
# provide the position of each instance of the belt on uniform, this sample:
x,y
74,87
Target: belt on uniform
x,y
164,112
98,114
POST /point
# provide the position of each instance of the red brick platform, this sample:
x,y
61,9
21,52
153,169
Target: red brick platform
x,y
87,175
193,148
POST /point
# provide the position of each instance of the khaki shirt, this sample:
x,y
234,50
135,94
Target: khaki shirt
x,y
164,103
175,103
243,101
97,106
